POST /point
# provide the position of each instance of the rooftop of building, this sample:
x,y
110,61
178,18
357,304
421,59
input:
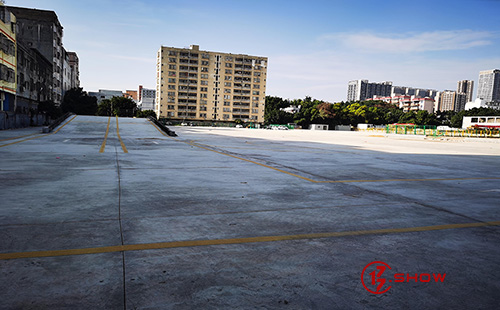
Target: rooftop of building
x,y
34,14
196,48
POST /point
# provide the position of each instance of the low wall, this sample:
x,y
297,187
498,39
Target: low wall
x,y
16,120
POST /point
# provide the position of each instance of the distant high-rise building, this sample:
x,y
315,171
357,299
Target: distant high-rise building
x,y
466,87
359,90
147,98
488,87
450,100
74,64
131,94
104,94
411,91
192,84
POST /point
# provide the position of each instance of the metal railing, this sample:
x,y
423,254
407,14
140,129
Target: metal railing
x,y
432,131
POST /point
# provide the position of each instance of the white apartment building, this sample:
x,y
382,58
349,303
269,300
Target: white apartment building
x,y
488,87
146,99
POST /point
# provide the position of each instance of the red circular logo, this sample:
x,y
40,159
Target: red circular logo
x,y
376,277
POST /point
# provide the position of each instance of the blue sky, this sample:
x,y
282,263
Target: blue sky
x,y
314,47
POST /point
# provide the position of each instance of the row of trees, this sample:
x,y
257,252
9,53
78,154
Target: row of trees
x,y
372,112
79,102
312,111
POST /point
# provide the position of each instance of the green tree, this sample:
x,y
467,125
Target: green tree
x,y
119,106
408,117
104,108
309,113
423,117
124,107
145,113
50,109
79,102
273,113
444,117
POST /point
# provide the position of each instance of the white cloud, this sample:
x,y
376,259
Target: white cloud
x,y
412,42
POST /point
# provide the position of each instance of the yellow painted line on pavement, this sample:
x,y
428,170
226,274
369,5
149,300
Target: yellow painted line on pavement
x,y
120,138
250,161
161,131
19,137
41,136
103,145
195,243
335,181
63,125
407,180
192,143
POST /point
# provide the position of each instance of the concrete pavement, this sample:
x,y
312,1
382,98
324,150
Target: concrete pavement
x,y
215,219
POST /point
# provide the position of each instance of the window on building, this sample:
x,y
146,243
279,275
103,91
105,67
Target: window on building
x,y
203,88
255,92
227,91
172,60
204,76
229,71
171,80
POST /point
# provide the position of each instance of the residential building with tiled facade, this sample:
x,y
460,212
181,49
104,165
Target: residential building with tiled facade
x,y
197,85
8,59
450,100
